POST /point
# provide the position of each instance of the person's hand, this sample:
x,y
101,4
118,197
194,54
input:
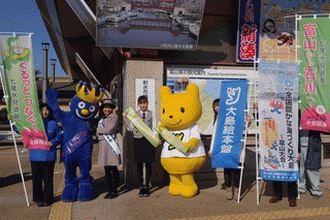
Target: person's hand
x,y
299,156
49,143
248,118
210,154
126,119
256,106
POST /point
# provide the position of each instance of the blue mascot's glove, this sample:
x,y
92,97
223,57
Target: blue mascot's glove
x,y
51,95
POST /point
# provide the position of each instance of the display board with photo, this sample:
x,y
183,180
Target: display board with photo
x,y
209,81
163,24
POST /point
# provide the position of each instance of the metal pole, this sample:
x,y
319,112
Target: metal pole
x,y
53,62
45,47
14,138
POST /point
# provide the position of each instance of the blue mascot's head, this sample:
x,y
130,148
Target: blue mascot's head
x,y
85,105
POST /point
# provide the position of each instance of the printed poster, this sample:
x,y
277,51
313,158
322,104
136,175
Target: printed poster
x,y
209,81
314,86
20,86
230,124
166,24
277,23
278,118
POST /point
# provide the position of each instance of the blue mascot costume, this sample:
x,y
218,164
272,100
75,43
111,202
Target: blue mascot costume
x,y
77,140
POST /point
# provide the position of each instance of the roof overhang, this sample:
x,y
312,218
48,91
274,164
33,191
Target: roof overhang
x,y
71,25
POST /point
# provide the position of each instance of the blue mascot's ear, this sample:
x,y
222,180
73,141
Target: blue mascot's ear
x,y
164,92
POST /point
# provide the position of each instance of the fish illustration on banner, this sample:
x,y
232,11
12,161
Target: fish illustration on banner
x,y
20,86
230,124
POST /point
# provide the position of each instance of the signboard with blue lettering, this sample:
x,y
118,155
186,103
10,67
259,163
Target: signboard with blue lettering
x,y
230,124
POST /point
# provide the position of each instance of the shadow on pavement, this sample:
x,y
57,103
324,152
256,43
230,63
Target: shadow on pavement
x,y
13,179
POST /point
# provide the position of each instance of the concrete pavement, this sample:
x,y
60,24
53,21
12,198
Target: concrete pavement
x,y
210,203
13,204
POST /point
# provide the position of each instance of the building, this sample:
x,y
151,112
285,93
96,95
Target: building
x,y
73,28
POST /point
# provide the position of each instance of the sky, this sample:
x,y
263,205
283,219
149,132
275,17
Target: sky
x,y
24,16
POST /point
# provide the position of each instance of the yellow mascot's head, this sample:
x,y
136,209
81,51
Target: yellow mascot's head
x,y
180,110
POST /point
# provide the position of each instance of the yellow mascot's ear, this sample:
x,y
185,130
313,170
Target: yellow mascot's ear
x,y
164,92
192,90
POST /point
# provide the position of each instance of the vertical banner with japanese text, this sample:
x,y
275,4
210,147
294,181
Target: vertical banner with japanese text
x,y
314,87
147,87
20,86
230,124
248,32
278,116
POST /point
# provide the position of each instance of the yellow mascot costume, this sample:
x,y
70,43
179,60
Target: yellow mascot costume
x,y
179,114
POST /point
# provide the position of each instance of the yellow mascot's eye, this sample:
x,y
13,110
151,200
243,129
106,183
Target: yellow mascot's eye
x,y
163,110
182,109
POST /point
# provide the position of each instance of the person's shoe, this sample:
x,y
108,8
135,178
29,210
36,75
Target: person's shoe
x,y
40,204
108,195
275,199
236,194
302,192
292,203
141,193
114,194
47,204
146,191
229,193
317,196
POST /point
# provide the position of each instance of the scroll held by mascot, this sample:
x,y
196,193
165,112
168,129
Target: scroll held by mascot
x,y
179,114
77,140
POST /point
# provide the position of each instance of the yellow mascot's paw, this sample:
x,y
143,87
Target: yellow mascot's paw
x,y
175,189
192,143
175,186
189,191
189,187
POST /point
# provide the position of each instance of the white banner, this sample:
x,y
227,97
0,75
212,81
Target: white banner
x,y
278,112
145,86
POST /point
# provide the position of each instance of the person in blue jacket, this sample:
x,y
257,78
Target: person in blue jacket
x,y
43,161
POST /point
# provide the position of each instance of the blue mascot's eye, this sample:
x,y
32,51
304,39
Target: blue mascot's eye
x,y
182,109
92,108
81,104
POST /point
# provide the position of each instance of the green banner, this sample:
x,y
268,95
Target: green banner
x,y
314,39
20,87
171,139
142,127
